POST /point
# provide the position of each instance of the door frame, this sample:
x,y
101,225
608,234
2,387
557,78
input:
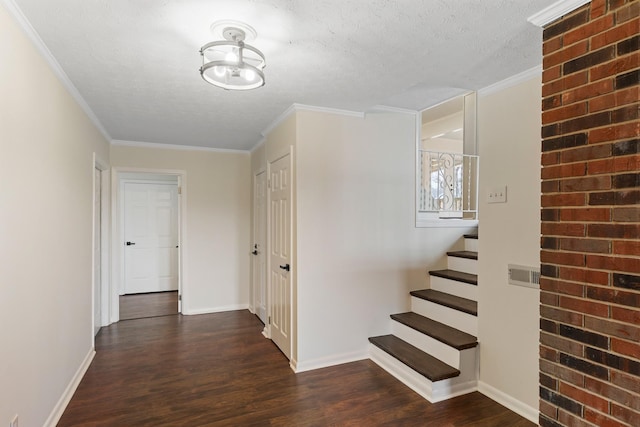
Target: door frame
x,y
117,249
105,242
253,301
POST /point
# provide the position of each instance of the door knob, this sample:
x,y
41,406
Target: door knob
x,y
131,243
255,252
285,267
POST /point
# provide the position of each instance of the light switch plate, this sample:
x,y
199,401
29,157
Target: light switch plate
x,y
497,195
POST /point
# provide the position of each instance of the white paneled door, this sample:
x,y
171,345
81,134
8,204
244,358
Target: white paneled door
x,y
150,237
280,252
259,264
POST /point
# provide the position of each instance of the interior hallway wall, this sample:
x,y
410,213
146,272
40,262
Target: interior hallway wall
x,y
216,245
359,252
46,211
509,148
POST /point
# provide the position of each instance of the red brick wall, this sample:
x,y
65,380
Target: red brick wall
x,y
590,244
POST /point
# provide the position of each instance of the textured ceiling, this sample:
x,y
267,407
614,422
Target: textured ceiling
x,y
136,62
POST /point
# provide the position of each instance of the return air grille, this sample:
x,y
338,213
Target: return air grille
x,y
524,276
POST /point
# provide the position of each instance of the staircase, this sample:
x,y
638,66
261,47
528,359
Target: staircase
x,y
433,348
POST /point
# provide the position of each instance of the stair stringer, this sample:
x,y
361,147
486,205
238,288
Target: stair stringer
x,y
434,392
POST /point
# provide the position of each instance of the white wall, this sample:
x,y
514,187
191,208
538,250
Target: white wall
x,y
46,172
509,142
359,252
216,245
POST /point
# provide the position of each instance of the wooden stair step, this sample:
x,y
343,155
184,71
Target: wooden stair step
x,y
458,276
464,254
444,333
471,236
448,300
416,359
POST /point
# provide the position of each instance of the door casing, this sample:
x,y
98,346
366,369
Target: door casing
x,y
105,250
117,252
259,300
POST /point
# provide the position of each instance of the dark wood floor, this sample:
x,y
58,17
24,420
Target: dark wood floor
x,y
138,306
217,369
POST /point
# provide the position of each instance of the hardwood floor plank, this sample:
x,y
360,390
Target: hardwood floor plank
x,y
138,306
218,370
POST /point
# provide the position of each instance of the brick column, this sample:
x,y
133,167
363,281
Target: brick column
x,y
590,244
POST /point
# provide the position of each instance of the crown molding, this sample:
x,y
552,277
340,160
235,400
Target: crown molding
x,y
259,144
555,11
141,144
313,108
387,109
281,118
46,54
511,81
294,108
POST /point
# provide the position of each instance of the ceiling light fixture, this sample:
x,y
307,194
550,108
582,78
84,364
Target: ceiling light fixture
x,y
231,63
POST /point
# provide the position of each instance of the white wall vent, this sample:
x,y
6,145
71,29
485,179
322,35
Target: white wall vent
x,y
524,276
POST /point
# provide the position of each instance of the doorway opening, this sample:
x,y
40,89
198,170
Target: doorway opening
x,y
259,249
149,206
151,304
100,252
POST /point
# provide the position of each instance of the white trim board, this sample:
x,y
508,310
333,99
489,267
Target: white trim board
x,y
509,402
387,109
58,410
511,81
141,144
555,11
189,312
447,223
57,69
325,362
260,143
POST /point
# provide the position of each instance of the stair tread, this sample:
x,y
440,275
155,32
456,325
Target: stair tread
x,y
458,276
413,357
448,300
464,254
471,236
444,333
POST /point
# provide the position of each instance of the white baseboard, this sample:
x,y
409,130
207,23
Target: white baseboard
x,y
325,362
58,410
510,402
266,331
189,312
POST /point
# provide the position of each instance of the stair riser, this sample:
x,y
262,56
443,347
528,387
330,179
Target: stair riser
x,y
454,318
471,245
459,289
437,349
462,264
433,392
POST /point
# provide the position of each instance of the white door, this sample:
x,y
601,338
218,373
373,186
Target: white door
x,y
259,257
97,252
280,252
150,237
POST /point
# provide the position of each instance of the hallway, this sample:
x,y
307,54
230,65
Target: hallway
x,y
217,369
